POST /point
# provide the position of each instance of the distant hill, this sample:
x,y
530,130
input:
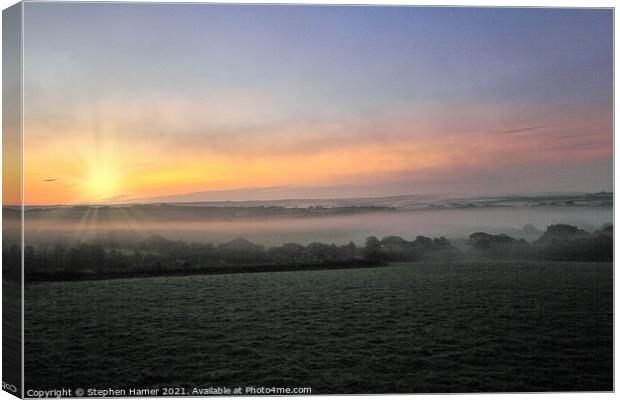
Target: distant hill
x,y
171,212
301,208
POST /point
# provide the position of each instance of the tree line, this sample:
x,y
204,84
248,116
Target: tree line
x,y
157,255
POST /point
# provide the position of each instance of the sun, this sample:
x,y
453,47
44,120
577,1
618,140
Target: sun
x,y
101,182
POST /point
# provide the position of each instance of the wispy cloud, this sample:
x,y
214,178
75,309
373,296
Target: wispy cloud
x,y
570,136
577,146
50,180
530,128
574,146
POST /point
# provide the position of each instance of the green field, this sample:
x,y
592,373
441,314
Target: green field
x,y
416,327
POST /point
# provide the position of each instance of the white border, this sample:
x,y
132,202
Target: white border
x,y
481,3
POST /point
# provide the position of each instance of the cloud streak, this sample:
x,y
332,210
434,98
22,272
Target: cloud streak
x,y
530,128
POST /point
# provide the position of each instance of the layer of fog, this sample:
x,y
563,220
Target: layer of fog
x,y
455,224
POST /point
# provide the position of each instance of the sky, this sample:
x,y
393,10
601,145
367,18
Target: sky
x,y
131,102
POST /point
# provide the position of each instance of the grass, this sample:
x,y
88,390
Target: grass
x,y
416,327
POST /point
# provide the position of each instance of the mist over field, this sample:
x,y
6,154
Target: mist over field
x,y
451,223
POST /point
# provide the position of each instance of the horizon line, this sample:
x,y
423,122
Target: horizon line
x,y
480,196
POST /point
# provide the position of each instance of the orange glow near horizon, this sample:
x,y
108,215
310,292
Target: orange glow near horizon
x,y
114,168
114,178
77,181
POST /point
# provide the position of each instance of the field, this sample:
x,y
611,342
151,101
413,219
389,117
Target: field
x,y
11,332
404,328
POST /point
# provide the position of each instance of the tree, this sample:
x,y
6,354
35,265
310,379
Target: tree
x,y
398,249
498,246
321,251
562,232
372,249
288,252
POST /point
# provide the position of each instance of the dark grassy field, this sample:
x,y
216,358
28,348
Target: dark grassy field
x,y
12,335
404,328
